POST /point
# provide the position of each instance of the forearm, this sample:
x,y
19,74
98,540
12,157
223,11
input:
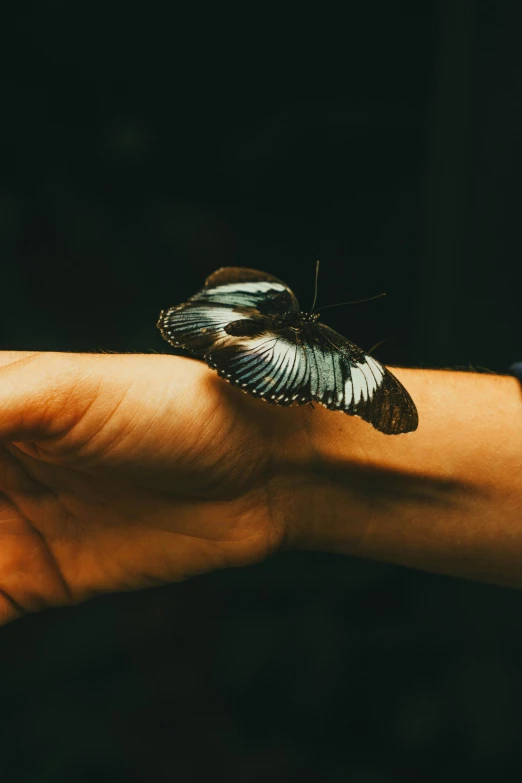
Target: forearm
x,y
446,498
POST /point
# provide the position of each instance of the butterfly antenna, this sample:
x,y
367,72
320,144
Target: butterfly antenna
x,y
356,301
316,282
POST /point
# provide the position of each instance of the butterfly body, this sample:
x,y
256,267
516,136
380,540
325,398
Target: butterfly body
x,y
286,325
247,325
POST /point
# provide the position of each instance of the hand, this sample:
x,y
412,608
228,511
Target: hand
x,y
123,471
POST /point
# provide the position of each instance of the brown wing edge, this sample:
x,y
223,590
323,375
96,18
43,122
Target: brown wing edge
x,y
238,274
392,411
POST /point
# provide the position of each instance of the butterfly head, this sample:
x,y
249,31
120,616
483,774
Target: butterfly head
x,y
310,317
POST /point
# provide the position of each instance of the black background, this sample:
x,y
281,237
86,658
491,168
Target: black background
x,y
145,145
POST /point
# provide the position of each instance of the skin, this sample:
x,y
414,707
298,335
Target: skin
x,y
119,472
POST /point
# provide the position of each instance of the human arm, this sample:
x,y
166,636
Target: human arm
x,y
446,498
124,471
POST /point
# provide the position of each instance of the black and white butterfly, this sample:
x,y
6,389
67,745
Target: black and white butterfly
x,y
248,326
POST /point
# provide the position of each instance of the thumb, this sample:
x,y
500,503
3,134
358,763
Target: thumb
x,y
40,396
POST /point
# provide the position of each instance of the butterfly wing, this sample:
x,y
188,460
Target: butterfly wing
x,y
233,286
359,385
230,294
314,364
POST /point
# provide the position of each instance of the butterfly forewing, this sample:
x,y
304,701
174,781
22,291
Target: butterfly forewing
x,y
291,368
364,387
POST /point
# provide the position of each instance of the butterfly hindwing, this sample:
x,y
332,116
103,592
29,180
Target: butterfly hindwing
x,y
266,365
198,327
230,294
247,288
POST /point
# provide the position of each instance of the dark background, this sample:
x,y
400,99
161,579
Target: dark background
x,y
142,147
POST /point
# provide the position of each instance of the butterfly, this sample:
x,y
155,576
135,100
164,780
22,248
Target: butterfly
x,y
249,327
